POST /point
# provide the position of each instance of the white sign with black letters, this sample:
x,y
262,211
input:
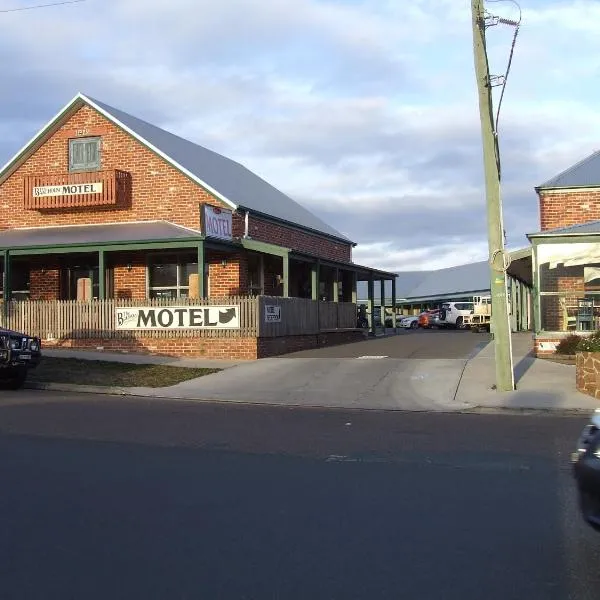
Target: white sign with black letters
x,y
217,222
177,317
70,189
272,313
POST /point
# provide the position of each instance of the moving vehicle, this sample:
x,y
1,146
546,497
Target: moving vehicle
x,y
586,470
452,314
18,353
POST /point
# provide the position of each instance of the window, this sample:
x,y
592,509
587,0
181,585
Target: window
x,y
19,281
84,154
464,306
169,276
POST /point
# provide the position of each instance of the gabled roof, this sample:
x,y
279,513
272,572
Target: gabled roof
x,y
585,173
593,227
473,277
406,281
228,180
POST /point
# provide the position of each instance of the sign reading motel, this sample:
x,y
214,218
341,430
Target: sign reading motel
x,y
177,317
217,222
73,189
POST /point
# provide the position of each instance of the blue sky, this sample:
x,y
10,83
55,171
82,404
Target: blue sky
x,y
365,111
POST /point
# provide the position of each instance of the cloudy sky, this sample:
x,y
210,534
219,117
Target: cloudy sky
x,y
363,110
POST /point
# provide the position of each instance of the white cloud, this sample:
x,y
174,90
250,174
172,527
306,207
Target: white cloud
x,y
366,111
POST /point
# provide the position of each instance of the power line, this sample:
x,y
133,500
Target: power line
x,y
9,10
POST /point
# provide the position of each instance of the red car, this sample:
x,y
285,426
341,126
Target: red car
x,y
429,318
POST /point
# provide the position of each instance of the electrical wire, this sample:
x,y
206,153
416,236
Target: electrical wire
x,y
516,24
9,10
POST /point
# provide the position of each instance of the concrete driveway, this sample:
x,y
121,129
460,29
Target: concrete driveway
x,y
419,343
410,371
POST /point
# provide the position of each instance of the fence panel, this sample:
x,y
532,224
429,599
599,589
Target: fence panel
x,y
347,315
298,316
56,319
328,315
60,319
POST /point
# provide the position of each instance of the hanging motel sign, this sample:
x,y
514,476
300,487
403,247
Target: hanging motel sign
x,y
217,222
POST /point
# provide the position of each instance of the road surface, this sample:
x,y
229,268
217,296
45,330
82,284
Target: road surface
x,y
112,498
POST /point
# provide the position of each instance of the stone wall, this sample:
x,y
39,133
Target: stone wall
x,y
587,369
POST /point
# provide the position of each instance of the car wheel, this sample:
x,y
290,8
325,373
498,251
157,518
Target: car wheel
x,y
414,325
459,322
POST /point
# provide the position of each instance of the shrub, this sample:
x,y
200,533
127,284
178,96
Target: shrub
x,y
569,344
590,344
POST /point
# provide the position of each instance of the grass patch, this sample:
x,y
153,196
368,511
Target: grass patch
x,y
107,373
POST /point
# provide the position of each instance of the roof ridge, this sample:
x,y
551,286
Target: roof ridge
x,y
87,98
571,169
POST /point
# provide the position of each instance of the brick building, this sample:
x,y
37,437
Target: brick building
x,y
101,205
566,255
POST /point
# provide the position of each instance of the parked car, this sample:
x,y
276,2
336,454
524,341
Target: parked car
x,y
452,313
429,318
18,353
586,469
410,322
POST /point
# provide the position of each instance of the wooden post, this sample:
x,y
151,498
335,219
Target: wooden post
x,y
101,275
201,270
394,303
371,304
286,275
382,302
314,280
505,379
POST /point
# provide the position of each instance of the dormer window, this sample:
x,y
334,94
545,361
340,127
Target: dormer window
x,y
84,154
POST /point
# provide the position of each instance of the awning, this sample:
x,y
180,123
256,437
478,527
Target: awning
x,y
94,235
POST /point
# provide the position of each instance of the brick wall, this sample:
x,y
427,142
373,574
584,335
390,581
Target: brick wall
x,y
159,191
289,237
566,208
129,275
229,279
44,278
241,348
213,348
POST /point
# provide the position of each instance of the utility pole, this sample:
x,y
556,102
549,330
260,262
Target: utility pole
x,y
505,381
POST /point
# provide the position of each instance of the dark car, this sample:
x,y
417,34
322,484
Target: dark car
x,y
18,353
586,469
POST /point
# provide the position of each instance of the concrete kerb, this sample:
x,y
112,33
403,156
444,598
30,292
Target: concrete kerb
x,y
126,392
447,386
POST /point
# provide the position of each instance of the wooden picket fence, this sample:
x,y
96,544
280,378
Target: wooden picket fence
x,y
69,319
65,319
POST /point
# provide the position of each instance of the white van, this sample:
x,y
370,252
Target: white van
x,y
452,313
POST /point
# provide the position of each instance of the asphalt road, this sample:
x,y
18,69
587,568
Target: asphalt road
x,y
110,498
416,343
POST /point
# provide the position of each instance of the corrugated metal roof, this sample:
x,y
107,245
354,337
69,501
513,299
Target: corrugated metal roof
x,y
229,178
473,277
406,281
585,173
94,234
583,228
